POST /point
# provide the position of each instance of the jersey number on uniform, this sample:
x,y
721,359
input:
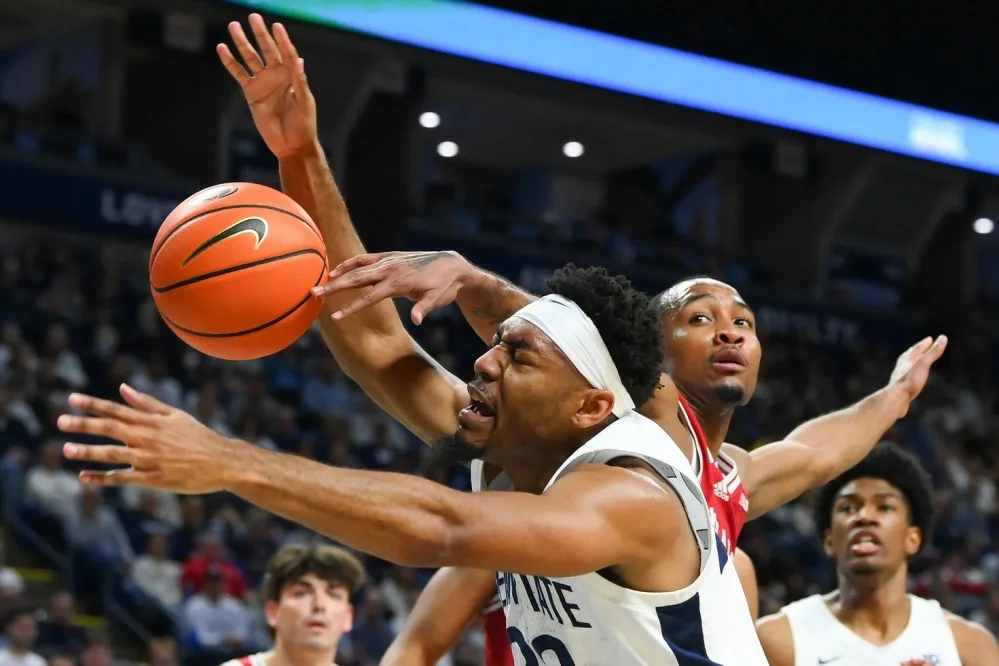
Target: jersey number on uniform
x,y
534,652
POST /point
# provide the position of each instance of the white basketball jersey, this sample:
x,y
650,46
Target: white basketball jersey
x,y
588,620
820,638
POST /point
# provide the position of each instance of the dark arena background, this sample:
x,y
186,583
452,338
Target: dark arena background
x,y
838,168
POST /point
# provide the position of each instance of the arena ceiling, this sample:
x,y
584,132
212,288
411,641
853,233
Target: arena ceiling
x,y
511,129
24,20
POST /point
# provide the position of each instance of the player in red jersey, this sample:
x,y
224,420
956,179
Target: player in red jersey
x,y
308,590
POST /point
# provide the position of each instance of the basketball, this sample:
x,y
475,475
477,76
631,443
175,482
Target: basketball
x,y
231,271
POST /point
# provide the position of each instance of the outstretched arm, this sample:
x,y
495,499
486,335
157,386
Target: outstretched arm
x,y
819,450
448,604
600,515
374,348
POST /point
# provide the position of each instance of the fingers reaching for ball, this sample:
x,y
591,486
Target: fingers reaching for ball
x,y
161,446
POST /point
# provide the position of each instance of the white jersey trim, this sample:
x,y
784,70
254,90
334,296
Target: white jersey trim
x,y
678,475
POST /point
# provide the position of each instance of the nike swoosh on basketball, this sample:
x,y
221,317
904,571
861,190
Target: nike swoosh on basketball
x,y
251,225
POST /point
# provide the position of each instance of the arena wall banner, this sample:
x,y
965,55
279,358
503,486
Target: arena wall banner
x,y
82,202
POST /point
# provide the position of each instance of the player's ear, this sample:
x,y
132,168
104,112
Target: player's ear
x,y
348,620
913,540
270,613
827,544
596,406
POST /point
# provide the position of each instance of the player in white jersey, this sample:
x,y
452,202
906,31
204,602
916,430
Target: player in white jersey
x,y
307,594
606,546
872,520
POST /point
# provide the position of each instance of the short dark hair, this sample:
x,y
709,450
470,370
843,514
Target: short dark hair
x,y
625,319
334,565
16,613
888,462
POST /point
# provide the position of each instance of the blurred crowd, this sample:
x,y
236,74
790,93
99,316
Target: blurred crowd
x,y
79,317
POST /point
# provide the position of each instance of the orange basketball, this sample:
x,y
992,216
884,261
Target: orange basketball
x,y
231,269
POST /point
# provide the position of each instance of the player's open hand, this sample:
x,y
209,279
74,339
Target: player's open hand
x,y
431,279
913,367
274,85
164,447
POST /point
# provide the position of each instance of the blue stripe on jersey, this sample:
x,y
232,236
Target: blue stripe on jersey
x,y
683,632
722,553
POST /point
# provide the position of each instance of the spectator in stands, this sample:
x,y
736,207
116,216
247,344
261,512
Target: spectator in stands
x,y
18,423
399,591
251,430
11,584
54,488
157,382
285,431
163,652
155,505
106,337
61,659
156,574
372,634
340,454
363,426
98,651
204,405
220,623
211,556
192,523
66,365
252,399
20,631
58,633
94,526
328,390
256,543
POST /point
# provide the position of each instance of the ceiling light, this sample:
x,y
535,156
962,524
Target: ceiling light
x,y
983,225
572,149
447,149
429,119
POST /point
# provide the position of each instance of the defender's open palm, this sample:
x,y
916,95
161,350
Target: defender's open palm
x,y
274,85
431,279
164,447
913,367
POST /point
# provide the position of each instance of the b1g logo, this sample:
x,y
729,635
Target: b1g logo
x,y
211,194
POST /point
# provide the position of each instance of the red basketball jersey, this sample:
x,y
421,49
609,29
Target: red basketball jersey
x,y
498,651
720,483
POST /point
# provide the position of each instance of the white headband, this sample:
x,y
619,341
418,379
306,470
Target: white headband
x,y
577,336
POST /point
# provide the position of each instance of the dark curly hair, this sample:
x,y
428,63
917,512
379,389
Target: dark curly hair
x,y
625,319
886,461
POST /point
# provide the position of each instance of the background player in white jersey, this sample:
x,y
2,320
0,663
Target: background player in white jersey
x,y
600,488
872,520
307,604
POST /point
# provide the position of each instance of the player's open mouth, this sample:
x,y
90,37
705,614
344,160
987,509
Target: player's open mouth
x,y
476,413
864,543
